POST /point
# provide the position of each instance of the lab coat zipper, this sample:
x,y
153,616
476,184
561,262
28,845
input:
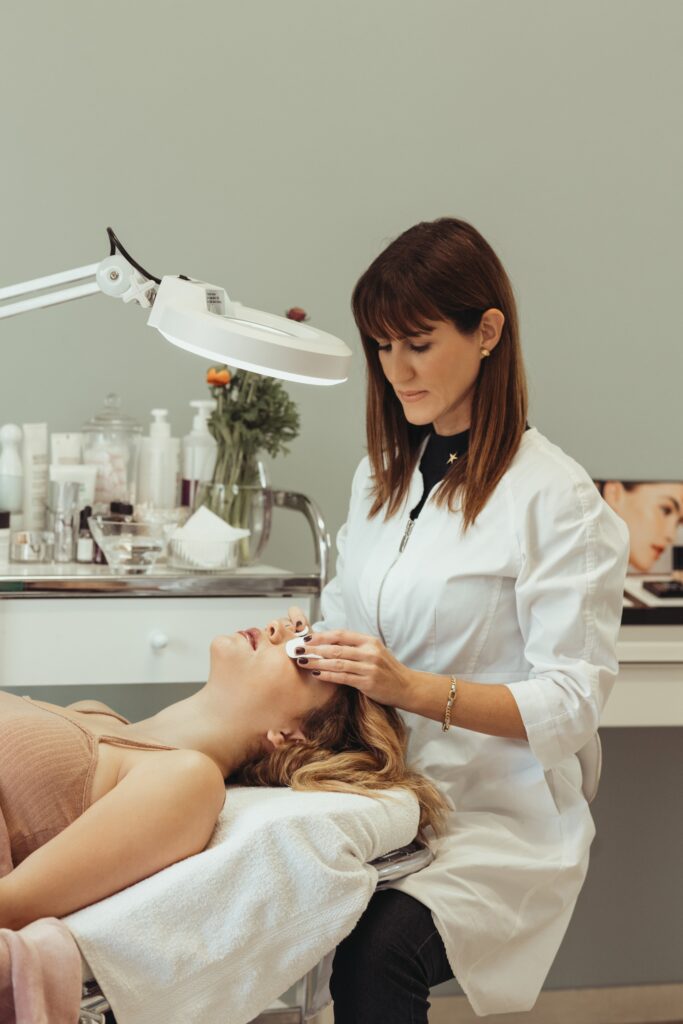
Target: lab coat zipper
x,y
404,541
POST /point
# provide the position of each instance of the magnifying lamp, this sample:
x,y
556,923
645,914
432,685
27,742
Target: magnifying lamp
x,y
195,316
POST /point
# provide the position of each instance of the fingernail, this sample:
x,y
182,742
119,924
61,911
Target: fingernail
x,y
298,623
299,650
314,673
309,636
302,661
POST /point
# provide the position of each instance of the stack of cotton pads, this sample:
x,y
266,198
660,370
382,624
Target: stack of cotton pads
x,y
111,480
205,542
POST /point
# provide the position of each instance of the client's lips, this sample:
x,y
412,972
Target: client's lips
x,y
251,635
254,635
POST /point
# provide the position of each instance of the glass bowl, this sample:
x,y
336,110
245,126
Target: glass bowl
x,y
130,548
169,519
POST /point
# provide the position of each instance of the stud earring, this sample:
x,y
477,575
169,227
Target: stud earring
x,y
484,352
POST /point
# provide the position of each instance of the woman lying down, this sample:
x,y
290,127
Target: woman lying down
x,y
94,803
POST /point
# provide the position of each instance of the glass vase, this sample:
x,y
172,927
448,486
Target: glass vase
x,y
246,505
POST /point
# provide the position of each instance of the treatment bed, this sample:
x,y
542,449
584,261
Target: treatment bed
x,y
223,934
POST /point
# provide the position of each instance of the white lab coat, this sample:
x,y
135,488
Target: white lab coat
x,y
530,597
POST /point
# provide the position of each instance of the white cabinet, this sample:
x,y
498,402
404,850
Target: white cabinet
x,y
62,642
649,688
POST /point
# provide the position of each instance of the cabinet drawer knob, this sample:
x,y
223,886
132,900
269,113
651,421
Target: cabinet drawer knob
x,y
158,640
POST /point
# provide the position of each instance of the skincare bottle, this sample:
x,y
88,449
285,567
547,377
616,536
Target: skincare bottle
x,y
85,546
34,457
11,470
4,540
158,466
199,451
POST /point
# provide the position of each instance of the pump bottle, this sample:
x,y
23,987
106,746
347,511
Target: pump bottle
x,y
199,451
11,469
158,465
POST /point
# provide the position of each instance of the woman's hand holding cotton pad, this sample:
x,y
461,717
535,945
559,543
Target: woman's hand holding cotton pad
x,y
295,642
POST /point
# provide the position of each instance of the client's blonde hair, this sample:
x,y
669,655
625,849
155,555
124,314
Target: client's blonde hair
x,y
353,745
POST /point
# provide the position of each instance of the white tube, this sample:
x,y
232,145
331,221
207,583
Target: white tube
x,y
34,458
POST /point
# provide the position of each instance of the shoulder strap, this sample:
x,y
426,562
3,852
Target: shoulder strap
x,y
96,707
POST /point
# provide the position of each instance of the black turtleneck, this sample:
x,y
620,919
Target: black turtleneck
x,y
436,459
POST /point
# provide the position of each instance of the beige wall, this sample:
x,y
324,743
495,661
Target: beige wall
x,y
276,147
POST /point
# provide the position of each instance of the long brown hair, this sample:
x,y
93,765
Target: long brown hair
x,y
353,745
440,270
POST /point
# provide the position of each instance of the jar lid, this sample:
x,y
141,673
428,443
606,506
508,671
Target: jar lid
x,y
111,417
4,520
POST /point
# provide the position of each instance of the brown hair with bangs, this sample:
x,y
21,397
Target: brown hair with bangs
x,y
440,270
353,745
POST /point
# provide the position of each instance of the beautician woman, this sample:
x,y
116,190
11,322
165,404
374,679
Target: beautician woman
x,y
479,589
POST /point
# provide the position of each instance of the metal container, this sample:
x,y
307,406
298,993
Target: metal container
x,y
31,546
63,518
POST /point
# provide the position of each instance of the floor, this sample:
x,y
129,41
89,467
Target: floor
x,y
632,1004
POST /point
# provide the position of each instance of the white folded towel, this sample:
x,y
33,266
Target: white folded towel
x,y
219,936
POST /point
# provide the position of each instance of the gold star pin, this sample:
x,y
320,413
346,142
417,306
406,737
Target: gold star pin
x,y
452,458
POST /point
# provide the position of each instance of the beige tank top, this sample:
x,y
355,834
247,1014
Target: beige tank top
x,y
47,764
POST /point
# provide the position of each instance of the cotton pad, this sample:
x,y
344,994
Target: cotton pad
x,y
296,642
206,541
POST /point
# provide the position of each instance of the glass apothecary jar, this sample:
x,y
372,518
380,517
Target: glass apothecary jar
x,y
111,442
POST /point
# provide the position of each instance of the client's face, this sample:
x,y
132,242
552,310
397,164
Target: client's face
x,y
263,684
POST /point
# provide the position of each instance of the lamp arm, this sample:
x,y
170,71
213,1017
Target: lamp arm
x,y
113,275
196,316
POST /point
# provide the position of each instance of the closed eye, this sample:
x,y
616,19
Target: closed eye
x,y
413,348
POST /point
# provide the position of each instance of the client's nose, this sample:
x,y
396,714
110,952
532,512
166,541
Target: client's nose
x,y
280,630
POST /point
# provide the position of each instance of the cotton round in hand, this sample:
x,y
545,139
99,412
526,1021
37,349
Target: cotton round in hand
x,y
295,642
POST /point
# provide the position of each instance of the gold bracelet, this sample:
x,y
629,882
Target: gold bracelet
x,y
449,704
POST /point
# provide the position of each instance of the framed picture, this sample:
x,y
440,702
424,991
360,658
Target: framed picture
x,y
653,512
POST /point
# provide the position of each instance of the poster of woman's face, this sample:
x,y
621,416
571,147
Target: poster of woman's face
x,y
653,512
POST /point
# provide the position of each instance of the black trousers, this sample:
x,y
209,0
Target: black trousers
x,y
384,969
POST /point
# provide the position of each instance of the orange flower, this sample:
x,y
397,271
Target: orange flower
x,y
219,378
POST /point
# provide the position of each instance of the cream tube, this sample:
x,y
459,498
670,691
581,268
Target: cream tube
x,y
82,475
34,459
65,449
